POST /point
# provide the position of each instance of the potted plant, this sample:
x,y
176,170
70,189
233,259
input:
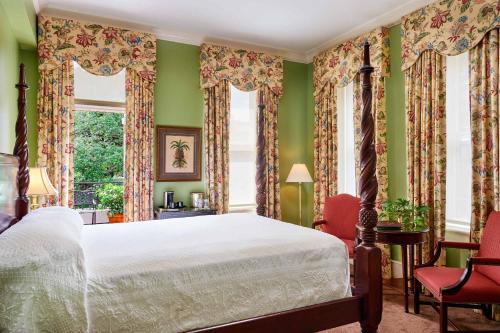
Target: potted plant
x,y
409,215
110,197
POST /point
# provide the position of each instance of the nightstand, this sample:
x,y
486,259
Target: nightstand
x,y
186,212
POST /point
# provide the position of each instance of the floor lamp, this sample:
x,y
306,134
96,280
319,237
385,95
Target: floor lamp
x,y
299,174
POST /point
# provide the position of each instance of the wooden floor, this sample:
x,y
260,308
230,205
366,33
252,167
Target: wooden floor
x,y
395,320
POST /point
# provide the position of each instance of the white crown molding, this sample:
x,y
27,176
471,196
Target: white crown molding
x,y
389,18
131,25
39,4
198,40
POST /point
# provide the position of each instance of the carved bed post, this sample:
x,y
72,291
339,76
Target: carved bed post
x,y
368,269
260,177
21,148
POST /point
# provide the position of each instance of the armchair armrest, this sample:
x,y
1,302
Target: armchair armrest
x,y
460,245
471,262
446,244
317,223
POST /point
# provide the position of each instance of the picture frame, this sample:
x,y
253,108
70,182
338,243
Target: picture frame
x,y
178,153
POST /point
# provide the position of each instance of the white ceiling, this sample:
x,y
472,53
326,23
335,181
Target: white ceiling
x,y
295,29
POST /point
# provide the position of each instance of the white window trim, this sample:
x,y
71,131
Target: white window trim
x,y
243,208
461,227
346,159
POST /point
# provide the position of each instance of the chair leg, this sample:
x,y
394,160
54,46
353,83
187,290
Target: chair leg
x,y
487,310
416,297
443,317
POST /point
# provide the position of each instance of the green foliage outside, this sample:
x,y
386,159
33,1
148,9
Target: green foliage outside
x,y
98,146
110,196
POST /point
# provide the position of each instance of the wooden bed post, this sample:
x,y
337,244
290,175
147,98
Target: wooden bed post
x,y
21,148
260,178
368,269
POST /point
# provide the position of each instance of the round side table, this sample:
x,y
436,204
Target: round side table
x,y
407,240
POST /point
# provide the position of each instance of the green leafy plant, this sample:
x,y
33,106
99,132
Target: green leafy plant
x,y
401,210
110,196
179,146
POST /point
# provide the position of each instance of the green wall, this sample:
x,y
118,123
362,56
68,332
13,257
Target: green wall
x,y
179,102
8,95
292,140
17,44
396,130
29,59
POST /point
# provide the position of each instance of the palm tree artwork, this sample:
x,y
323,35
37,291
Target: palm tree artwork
x,y
179,158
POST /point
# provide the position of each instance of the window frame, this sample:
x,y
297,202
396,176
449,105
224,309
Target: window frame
x,y
453,80
243,207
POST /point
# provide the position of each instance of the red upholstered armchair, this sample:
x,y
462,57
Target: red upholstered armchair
x,y
475,286
340,216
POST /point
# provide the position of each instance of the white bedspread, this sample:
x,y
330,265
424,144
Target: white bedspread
x,y
182,274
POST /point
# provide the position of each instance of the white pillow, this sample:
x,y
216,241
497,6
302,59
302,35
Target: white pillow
x,y
42,273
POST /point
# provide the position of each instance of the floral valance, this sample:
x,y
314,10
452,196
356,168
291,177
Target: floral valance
x,y
99,49
246,70
340,64
449,27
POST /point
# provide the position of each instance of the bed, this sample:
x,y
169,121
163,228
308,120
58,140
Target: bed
x,y
225,273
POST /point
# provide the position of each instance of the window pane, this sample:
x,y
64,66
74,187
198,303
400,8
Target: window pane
x,y
346,172
242,147
97,87
458,140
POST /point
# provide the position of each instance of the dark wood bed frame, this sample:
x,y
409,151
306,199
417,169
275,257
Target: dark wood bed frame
x,y
366,304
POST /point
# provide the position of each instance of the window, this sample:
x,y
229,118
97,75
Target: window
x,y
458,144
242,150
346,171
99,136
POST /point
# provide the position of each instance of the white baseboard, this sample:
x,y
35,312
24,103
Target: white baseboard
x,y
397,269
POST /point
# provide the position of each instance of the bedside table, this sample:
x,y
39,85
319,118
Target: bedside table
x,y
186,212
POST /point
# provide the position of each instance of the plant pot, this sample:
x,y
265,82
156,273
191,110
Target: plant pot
x,y
116,218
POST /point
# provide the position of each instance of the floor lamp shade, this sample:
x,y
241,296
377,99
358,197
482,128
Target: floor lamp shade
x,y
299,174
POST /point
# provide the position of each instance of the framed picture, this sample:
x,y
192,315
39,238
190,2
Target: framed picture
x,y
179,153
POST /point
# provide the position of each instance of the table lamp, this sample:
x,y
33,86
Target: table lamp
x,y
299,174
40,185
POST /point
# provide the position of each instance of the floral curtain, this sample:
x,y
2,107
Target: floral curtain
x,y
380,117
484,77
325,148
139,128
270,114
449,27
340,65
335,68
247,71
216,134
484,69
56,129
426,140
101,50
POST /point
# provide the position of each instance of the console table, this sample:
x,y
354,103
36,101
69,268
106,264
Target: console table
x,y
186,212
407,239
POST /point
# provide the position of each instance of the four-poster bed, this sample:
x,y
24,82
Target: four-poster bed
x,y
364,306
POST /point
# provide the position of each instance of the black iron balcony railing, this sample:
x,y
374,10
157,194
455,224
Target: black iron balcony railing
x,y
85,193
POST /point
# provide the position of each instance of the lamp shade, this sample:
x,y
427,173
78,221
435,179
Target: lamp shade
x,y
299,174
40,183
